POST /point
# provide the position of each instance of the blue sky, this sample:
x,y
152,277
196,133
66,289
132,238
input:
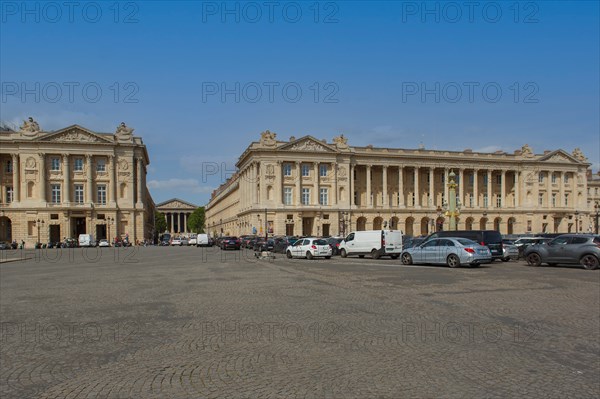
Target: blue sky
x,y
394,74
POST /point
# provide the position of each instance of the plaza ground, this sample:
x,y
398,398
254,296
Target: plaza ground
x,y
183,322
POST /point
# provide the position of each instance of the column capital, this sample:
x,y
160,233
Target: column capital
x,y
139,159
15,157
315,163
40,154
384,167
65,155
88,157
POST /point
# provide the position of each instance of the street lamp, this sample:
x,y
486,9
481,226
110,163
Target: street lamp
x,y
39,223
109,221
576,222
439,212
597,209
453,210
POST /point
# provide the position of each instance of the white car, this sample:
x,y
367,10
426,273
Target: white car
x,y
177,241
193,241
309,248
103,243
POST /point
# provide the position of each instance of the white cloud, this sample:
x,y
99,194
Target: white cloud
x,y
187,185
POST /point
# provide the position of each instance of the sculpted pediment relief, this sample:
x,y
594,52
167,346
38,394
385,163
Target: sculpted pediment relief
x,y
307,144
74,134
176,204
560,157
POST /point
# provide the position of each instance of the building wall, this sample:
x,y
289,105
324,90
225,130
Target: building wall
x,y
515,193
33,162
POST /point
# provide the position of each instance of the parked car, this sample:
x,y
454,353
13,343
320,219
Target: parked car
x,y
4,245
490,238
70,243
376,243
583,249
202,240
176,242
334,243
103,243
451,251
509,250
264,245
524,242
87,240
230,242
193,240
412,242
309,248
281,243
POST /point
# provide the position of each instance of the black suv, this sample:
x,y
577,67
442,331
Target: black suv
x,y
490,238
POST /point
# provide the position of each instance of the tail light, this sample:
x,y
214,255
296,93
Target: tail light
x,y
338,244
481,243
470,250
313,246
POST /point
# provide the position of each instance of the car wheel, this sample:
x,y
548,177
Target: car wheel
x,y
589,262
375,254
328,257
453,260
289,255
552,264
309,255
534,259
505,259
361,256
394,256
343,253
406,259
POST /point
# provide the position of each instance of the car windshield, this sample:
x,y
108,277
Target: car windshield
x,y
466,242
320,242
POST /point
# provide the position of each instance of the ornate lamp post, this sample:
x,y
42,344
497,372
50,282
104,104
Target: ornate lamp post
x,y
440,211
576,222
453,211
109,221
39,223
266,226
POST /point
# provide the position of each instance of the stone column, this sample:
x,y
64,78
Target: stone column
x,y
278,196
369,198
400,187
89,183
66,180
255,186
385,188
549,189
446,192
351,185
416,182
298,196
561,185
431,187
489,188
517,189
185,217
172,222
316,181
16,179
475,188
112,194
503,189
335,185
461,186
140,171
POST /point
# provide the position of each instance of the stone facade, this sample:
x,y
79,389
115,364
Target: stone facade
x,y
73,181
307,186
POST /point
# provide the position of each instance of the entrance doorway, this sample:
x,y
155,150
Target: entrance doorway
x,y
5,229
101,232
55,233
78,227
307,226
289,229
326,230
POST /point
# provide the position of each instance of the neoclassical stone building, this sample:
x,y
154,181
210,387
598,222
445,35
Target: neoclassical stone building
x,y
57,184
177,212
312,187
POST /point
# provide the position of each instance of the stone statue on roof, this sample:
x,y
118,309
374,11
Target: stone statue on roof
x,y
340,142
526,151
124,133
30,126
267,138
578,154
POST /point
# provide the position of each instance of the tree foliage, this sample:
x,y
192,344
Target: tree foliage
x,y
160,222
196,221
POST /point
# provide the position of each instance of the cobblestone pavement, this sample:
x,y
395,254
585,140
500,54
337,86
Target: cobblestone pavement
x,y
200,323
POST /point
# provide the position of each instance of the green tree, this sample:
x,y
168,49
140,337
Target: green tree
x,y
160,222
196,220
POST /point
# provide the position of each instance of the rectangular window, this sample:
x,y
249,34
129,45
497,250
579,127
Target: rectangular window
x,y
323,170
541,177
485,200
498,202
305,196
566,178
498,179
287,169
9,167
541,199
553,178
55,193
485,180
323,196
443,177
9,194
554,199
101,194
356,198
78,165
566,199
54,164
413,199
287,196
79,193
101,165
471,178
471,200
305,170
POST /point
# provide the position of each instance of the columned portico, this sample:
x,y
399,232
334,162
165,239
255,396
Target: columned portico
x,y
176,213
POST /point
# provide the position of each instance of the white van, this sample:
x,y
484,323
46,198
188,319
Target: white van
x,y
202,240
376,243
86,240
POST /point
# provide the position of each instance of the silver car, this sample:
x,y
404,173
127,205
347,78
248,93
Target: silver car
x,y
453,252
509,250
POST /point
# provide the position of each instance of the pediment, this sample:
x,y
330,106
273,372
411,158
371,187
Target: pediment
x,y
308,144
74,134
559,156
176,203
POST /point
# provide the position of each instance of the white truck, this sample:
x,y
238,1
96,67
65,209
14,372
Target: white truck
x,y
86,240
376,243
202,240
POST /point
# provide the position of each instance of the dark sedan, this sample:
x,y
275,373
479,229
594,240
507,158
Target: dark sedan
x,y
334,243
583,249
230,242
264,245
